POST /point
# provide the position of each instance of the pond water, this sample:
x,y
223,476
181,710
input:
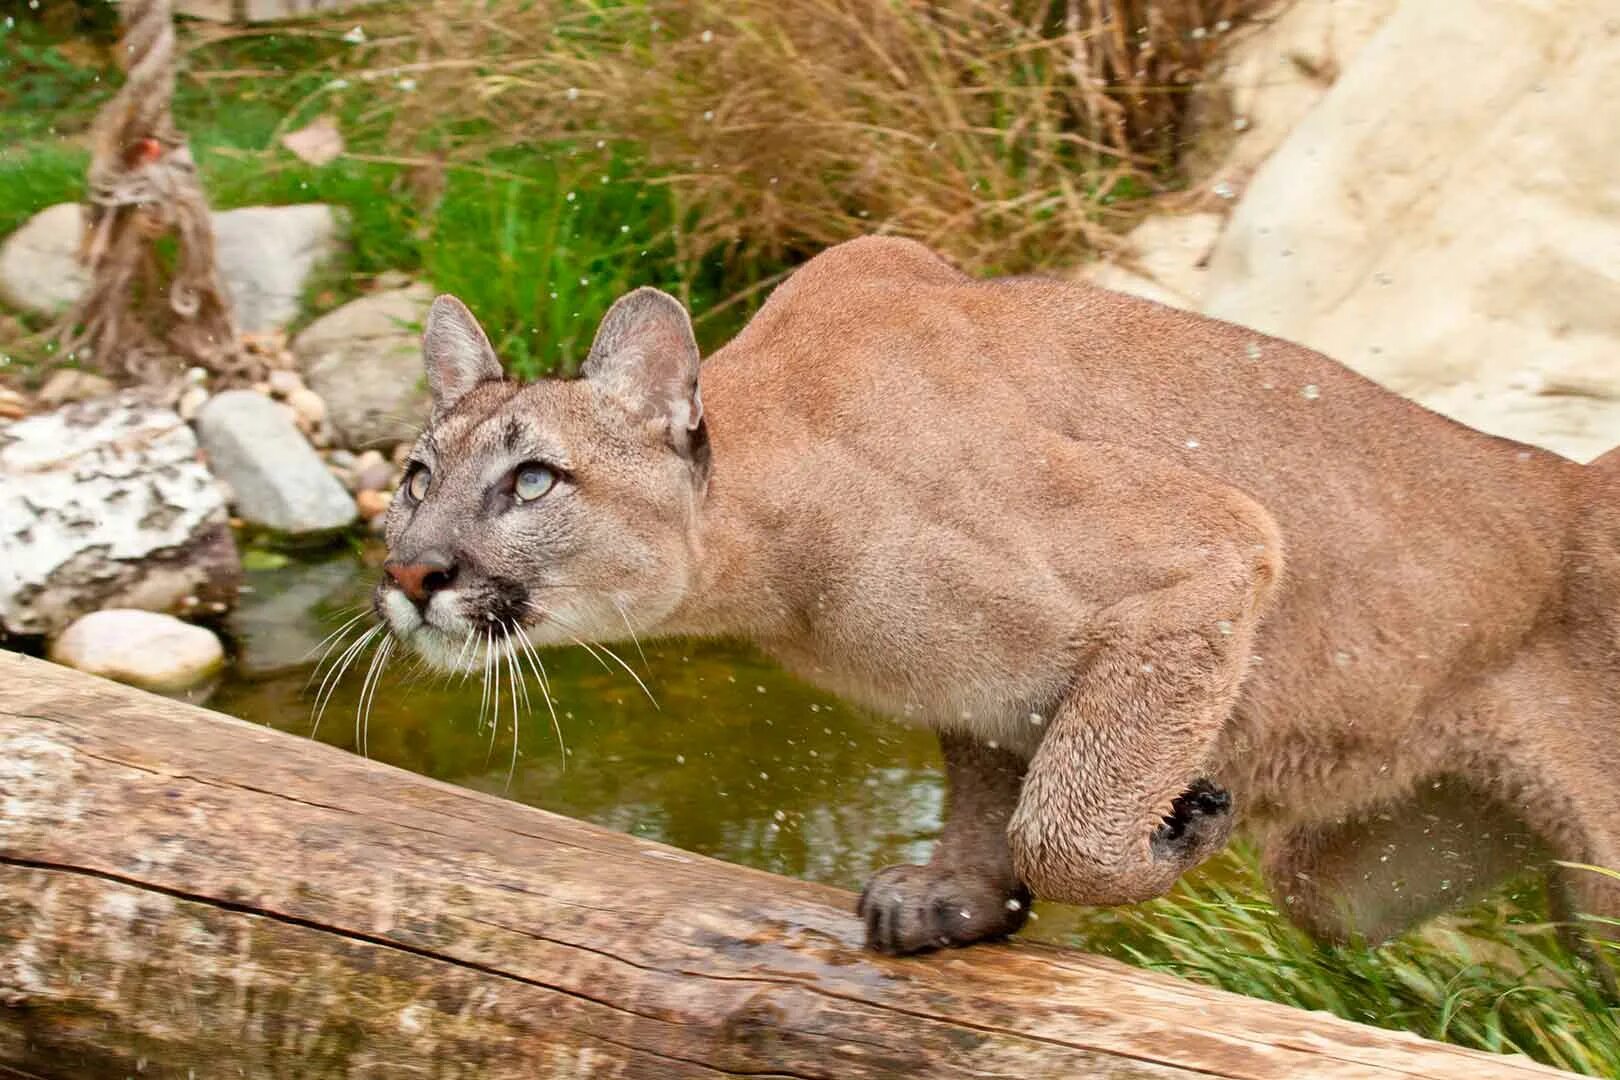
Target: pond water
x,y
736,759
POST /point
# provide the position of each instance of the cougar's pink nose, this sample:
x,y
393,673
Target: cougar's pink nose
x,y
420,578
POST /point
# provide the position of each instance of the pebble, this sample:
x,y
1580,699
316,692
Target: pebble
x,y
192,399
285,383
377,476
308,406
13,406
143,648
373,504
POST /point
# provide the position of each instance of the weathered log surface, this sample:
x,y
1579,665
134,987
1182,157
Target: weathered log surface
x,y
183,894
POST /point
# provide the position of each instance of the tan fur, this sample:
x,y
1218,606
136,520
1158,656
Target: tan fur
x,y
1155,556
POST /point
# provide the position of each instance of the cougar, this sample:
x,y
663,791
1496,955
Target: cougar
x,y
1144,572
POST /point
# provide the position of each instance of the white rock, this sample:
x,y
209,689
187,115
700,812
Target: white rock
x,y
192,399
365,360
265,255
308,405
1272,72
1446,219
1166,260
143,648
283,382
280,482
103,503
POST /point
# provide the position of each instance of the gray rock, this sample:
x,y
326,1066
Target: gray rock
x,y
365,360
266,255
142,648
278,479
287,612
104,504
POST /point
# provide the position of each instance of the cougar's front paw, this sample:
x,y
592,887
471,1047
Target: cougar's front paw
x,y
909,909
1199,822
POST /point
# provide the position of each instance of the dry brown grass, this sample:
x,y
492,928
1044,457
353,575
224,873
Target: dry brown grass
x,y
1011,136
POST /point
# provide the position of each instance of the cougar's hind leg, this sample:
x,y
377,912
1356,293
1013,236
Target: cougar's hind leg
x,y
1376,874
968,890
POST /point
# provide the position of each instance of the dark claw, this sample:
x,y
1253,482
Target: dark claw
x,y
1191,813
910,909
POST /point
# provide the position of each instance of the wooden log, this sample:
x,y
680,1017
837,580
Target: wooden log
x,y
183,894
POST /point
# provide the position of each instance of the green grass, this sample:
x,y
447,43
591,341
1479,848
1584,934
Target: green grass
x,y
1496,977
538,241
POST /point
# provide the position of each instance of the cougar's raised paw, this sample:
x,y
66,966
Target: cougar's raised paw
x,y
1199,821
910,909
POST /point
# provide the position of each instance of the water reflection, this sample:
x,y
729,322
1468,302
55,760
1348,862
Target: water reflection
x,y
737,760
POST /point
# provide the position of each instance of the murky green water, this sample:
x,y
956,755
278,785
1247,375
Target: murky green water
x,y
736,760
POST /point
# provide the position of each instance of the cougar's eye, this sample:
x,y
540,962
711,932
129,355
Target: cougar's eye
x,y
532,481
416,484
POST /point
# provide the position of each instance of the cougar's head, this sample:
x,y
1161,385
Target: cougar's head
x,y
564,508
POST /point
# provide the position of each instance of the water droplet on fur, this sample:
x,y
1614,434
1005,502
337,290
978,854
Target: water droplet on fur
x,y
1252,350
1037,719
1015,904
1224,626
1310,392
1192,444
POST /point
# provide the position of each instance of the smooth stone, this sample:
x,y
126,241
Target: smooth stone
x,y
365,360
373,503
280,482
283,382
143,648
308,405
266,256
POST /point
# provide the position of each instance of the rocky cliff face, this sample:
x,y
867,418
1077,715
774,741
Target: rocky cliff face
x,y
1442,214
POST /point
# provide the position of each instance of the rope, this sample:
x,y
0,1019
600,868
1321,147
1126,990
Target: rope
x,y
136,316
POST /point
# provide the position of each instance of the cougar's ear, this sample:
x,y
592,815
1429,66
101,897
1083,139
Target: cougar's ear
x,y
646,358
457,354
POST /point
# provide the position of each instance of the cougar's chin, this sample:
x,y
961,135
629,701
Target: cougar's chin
x,y
444,640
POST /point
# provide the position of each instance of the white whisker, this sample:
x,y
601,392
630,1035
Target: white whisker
x,y
518,689
329,643
592,649
636,640
329,685
483,698
628,670
545,691
368,688
495,713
